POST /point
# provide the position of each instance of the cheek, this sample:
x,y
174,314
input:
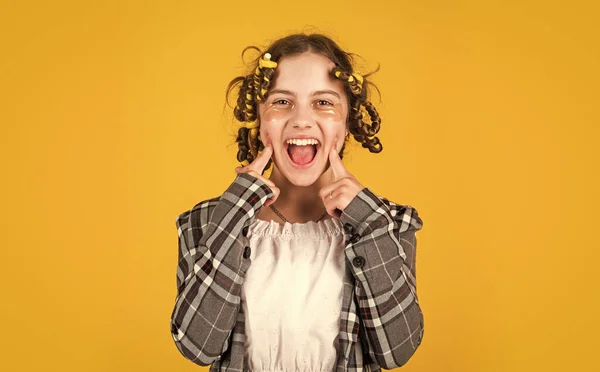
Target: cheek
x,y
334,113
333,131
265,135
276,113
269,133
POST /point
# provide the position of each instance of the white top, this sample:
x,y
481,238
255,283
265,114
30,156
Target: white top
x,y
292,295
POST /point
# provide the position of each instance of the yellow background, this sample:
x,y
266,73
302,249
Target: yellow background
x,y
113,123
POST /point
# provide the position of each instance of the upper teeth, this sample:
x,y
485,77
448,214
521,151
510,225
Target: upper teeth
x,y
302,142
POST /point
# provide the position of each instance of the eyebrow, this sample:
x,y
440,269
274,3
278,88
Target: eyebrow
x,y
315,93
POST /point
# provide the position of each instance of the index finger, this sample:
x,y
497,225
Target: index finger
x,y
335,162
261,161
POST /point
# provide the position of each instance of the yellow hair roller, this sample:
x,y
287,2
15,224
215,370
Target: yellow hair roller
x,y
358,77
351,78
359,82
265,61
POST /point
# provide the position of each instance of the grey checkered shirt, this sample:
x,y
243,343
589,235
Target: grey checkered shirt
x,y
381,322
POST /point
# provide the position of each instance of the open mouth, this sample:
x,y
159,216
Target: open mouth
x,y
302,152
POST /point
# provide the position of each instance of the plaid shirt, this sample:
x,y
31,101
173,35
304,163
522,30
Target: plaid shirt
x,y
381,323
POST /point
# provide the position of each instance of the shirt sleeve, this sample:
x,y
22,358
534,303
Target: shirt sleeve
x,y
381,249
212,263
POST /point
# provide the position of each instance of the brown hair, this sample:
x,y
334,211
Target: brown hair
x,y
254,88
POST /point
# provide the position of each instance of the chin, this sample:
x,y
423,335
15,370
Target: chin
x,y
303,180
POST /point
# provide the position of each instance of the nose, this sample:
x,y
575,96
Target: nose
x,y
302,118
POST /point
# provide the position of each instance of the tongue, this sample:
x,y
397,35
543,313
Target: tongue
x,y
302,154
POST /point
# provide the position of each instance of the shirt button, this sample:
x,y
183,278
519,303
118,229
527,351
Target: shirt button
x,y
247,252
245,231
354,238
348,229
358,261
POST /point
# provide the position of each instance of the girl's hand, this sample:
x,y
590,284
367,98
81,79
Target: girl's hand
x,y
256,168
345,187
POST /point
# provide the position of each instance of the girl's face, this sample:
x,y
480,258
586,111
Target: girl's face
x,y
305,111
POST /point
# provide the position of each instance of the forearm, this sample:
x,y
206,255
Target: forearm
x,y
381,250
213,265
387,303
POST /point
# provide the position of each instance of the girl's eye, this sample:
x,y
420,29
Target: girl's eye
x,y
322,102
280,101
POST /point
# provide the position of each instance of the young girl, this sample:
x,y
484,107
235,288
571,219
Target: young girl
x,y
308,270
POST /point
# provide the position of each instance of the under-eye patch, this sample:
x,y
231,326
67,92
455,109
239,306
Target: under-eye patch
x,y
283,109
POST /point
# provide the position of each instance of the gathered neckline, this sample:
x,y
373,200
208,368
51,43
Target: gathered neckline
x,y
297,230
